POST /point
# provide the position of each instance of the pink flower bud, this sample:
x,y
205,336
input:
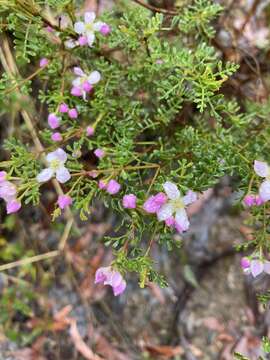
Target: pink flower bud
x,y
63,108
56,137
13,206
43,62
82,40
113,187
76,91
102,185
87,87
159,62
99,153
54,121
105,29
64,201
93,174
249,200
245,263
258,200
73,113
90,131
3,176
129,201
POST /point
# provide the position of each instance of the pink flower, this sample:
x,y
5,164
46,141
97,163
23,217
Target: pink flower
x,y
3,176
102,185
76,91
73,113
43,62
83,83
54,121
175,206
90,131
63,108
111,277
129,201
249,200
105,29
82,40
113,187
64,201
255,266
154,203
56,137
262,169
13,206
99,153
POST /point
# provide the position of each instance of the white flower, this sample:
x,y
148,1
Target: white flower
x,y
88,27
175,206
56,161
262,169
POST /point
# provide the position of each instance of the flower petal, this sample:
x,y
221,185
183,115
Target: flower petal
x,y
115,279
267,267
171,190
256,267
261,168
165,212
13,206
264,190
62,175
79,27
8,191
94,77
45,175
58,154
78,71
102,274
89,17
119,289
190,197
182,219
98,25
90,37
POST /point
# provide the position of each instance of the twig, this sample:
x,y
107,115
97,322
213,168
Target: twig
x,y
16,86
65,235
29,260
155,9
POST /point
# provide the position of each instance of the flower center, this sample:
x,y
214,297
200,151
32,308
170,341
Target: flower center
x,y
177,204
55,164
89,27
